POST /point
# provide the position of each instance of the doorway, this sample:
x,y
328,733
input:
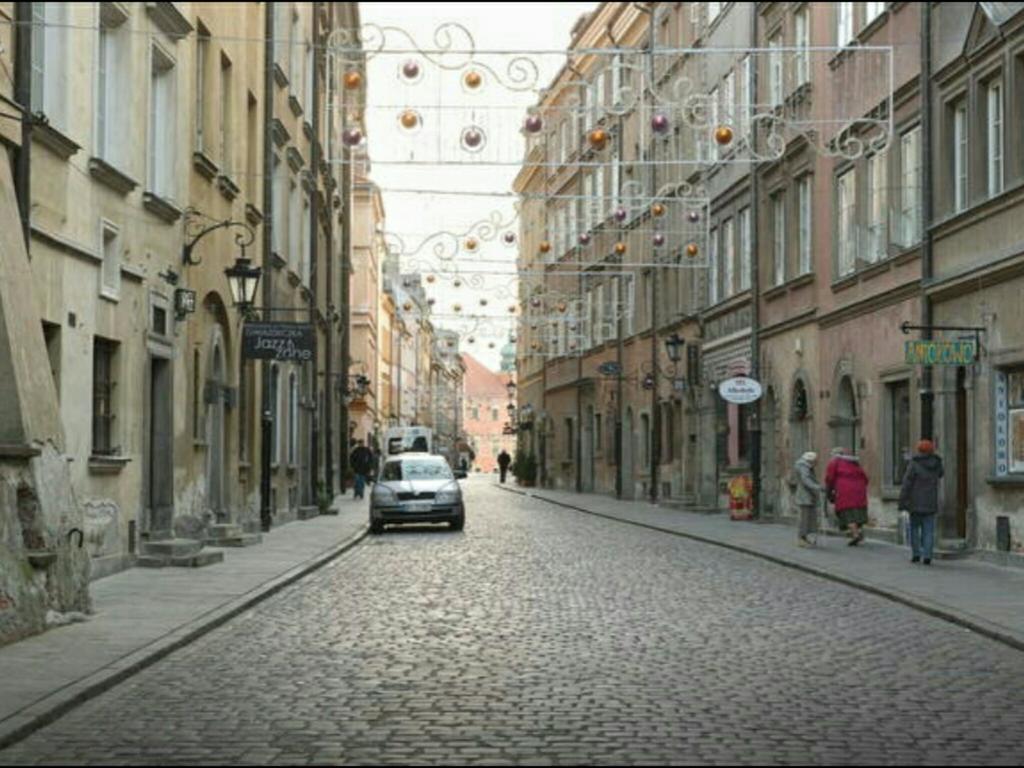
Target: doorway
x,y
962,455
628,438
160,460
215,387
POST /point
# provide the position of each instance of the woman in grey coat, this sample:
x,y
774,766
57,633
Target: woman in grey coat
x,y
807,496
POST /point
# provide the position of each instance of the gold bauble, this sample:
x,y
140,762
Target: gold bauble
x,y
598,138
473,79
658,209
409,119
723,134
353,80
691,250
620,248
545,247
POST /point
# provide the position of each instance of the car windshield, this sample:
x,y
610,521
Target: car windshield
x,y
416,469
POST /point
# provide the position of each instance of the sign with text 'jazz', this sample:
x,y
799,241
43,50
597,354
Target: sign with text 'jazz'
x,y
281,342
940,352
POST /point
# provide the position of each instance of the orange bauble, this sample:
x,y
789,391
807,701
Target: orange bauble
x,y
409,119
658,209
430,278
723,134
562,306
407,306
620,248
598,138
353,80
545,247
471,244
691,249
472,79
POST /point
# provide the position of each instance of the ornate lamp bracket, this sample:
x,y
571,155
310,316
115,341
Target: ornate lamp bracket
x,y
196,231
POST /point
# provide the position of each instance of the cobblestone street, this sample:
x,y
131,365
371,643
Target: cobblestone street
x,y
541,635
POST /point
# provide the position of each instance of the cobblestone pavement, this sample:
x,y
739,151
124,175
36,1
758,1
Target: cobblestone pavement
x,y
544,636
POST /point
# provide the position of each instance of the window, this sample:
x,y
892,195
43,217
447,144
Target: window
x,y
648,298
162,122
910,186
728,267
713,10
804,229
629,304
1010,421
715,105
897,449
49,63
563,141
617,80
225,114
202,85
110,271
779,238
775,69
51,334
307,250
844,23
293,418
744,235
960,155
872,11
802,35
845,232
275,424
713,271
294,54
877,245
112,88
103,385
307,92
728,113
994,102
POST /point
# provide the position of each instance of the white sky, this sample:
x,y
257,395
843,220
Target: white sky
x,y
437,160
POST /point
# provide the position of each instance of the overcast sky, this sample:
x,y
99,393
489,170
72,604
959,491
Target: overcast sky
x,y
414,167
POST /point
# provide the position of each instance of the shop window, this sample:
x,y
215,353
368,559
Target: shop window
x,y
1010,421
897,434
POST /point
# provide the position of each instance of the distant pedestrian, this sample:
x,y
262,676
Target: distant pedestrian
x,y
361,461
503,461
919,495
807,496
846,484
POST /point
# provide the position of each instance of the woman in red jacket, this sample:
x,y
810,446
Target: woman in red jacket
x,y
846,484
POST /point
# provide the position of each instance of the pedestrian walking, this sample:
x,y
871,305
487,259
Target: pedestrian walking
x,y
919,495
846,486
361,461
503,461
807,496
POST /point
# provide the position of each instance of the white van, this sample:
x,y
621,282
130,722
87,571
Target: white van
x,y
408,440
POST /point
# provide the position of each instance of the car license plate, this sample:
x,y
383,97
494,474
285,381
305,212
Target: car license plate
x,y
418,507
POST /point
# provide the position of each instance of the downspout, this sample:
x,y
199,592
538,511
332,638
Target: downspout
x,y
266,420
927,202
329,388
23,96
655,446
345,225
314,212
755,307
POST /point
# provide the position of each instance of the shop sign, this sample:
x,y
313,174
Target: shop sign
x,y
938,352
281,342
609,368
740,390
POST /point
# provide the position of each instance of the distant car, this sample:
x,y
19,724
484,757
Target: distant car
x,y
416,488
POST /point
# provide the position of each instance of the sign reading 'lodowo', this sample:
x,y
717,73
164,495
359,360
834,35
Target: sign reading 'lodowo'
x,y
282,342
740,390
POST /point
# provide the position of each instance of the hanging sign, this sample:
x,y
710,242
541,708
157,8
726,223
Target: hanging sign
x,y
740,390
609,368
281,342
937,352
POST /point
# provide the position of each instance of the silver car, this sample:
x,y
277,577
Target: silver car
x,y
416,488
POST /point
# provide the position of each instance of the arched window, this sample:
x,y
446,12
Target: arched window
x,y
844,417
799,416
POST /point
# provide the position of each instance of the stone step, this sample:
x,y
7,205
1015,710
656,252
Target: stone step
x,y
223,531
172,547
198,560
150,561
242,540
308,513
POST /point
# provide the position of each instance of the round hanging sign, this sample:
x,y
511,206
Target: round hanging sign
x,y
740,390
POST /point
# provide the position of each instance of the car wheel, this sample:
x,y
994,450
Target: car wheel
x,y
458,523
376,527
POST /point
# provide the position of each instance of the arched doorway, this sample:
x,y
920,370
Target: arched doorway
x,y
588,451
216,436
844,421
628,438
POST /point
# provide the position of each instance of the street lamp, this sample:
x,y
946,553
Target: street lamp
x,y
511,387
674,346
243,279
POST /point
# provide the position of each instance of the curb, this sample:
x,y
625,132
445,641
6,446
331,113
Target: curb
x,y
972,623
44,711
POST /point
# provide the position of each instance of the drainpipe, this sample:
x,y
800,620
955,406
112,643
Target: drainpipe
x,y
927,202
266,419
755,308
345,229
23,96
314,213
329,388
655,446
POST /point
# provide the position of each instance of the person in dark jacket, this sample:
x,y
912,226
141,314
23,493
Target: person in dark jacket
x,y
361,462
919,496
846,484
503,461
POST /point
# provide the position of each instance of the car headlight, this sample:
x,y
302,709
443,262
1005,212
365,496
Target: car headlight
x,y
450,494
384,495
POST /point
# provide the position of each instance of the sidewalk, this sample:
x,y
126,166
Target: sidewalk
x,y
983,597
143,614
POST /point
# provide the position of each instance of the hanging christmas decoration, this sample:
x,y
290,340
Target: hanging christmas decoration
x,y
512,309
533,124
659,123
620,248
353,80
431,278
483,302
509,237
473,138
620,214
535,303
545,247
723,134
598,138
562,306
585,239
472,79
471,244
693,216
410,70
691,250
659,240
490,345
407,306
409,119
351,137
658,209
457,283
457,307
431,301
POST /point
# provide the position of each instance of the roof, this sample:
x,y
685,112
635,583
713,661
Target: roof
x,y
481,382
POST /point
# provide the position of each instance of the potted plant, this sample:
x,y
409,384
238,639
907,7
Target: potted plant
x,y
525,469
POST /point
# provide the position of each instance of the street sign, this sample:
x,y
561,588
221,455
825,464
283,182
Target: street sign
x,y
740,390
937,352
281,342
609,368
